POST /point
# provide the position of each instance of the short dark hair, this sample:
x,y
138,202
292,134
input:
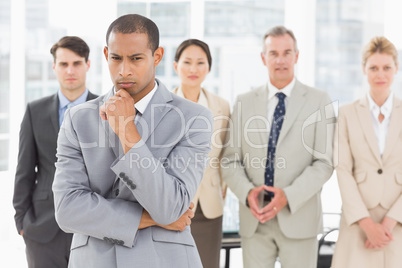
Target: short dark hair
x,y
73,43
278,31
193,42
134,23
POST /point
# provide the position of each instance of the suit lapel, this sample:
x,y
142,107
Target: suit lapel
x,y
155,111
296,102
91,96
260,109
54,113
395,128
213,105
365,120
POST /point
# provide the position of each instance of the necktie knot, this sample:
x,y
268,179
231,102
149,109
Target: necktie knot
x,y
281,96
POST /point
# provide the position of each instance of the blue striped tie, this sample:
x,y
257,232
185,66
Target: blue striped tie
x,y
276,126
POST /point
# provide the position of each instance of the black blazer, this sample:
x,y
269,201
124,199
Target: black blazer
x,y
33,197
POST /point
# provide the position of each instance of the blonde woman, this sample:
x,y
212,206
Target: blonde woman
x,y
369,170
192,64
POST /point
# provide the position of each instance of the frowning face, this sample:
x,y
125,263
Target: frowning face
x,y
132,63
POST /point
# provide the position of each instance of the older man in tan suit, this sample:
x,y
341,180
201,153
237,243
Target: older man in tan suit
x,y
278,173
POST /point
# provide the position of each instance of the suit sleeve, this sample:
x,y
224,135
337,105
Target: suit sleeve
x,y
25,175
78,208
313,177
395,210
224,133
232,167
166,188
353,206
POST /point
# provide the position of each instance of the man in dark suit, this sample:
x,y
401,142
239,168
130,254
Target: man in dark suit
x,y
46,244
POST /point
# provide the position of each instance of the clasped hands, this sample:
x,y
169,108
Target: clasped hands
x,y
378,234
119,111
264,214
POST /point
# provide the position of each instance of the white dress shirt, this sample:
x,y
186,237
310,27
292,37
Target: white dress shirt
x,y
381,129
142,104
273,100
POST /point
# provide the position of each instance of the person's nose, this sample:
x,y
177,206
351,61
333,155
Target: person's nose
x,y
125,69
280,59
193,68
381,73
70,69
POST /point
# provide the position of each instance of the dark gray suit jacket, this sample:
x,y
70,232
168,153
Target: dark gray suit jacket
x,y
33,197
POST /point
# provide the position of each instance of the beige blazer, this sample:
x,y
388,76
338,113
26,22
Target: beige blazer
x,y
366,179
303,156
212,188
370,185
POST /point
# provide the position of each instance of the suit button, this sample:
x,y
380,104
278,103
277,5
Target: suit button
x,y
379,171
122,175
133,186
116,192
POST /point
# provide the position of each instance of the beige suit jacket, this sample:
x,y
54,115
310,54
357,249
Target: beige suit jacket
x,y
367,179
303,156
212,188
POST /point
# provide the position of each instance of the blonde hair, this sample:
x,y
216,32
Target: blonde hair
x,y
379,44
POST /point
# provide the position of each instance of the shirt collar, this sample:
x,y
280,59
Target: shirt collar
x,y
142,104
385,109
63,101
202,99
287,90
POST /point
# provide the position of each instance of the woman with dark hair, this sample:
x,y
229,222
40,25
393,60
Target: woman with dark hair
x,y
192,64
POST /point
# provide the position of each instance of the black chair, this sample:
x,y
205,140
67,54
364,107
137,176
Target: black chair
x,y
229,241
326,248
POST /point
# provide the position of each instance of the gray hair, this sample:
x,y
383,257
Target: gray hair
x,y
278,31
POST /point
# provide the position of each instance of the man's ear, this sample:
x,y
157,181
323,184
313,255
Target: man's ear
x,y
158,55
105,52
263,58
297,56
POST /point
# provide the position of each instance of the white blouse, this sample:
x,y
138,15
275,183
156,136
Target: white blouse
x,y
381,129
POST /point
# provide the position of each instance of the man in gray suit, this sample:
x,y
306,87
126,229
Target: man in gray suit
x,y
277,169
46,244
129,163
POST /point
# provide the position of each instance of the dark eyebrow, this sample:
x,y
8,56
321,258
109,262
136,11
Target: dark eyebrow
x,y
136,55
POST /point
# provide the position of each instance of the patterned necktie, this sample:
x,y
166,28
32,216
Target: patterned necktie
x,y
276,126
